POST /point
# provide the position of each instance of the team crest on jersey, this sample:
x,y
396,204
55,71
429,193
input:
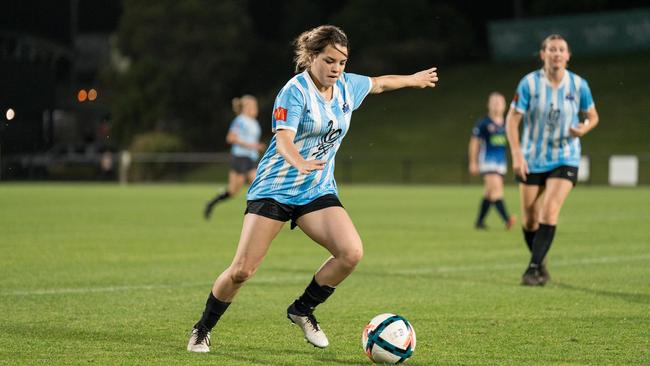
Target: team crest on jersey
x,y
327,141
491,128
345,108
570,97
280,114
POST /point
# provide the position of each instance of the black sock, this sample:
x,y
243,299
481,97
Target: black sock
x,y
502,210
541,244
220,197
485,206
529,236
214,309
314,295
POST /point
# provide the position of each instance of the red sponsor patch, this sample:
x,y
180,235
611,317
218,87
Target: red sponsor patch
x,y
280,114
515,99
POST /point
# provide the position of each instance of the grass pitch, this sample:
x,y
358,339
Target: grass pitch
x,y
104,274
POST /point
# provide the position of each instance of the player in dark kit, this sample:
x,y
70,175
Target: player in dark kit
x,y
487,157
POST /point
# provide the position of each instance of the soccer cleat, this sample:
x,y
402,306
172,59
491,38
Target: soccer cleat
x,y
207,211
511,222
309,325
480,226
532,277
199,340
544,275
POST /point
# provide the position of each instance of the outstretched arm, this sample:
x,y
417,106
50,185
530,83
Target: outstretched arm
x,y
422,79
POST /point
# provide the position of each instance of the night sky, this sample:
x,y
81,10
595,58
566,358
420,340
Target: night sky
x,y
51,18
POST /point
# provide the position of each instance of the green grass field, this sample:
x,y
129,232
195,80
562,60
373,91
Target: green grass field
x,y
102,274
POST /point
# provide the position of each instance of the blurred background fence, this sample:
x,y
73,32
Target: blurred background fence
x,y
82,81
213,168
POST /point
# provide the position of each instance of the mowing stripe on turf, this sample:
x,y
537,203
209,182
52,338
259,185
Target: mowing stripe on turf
x,y
492,267
292,277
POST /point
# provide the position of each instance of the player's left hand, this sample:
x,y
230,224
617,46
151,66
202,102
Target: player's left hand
x,y
578,131
425,78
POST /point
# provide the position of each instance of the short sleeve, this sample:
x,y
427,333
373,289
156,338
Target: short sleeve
x,y
236,125
359,86
521,100
288,109
586,100
477,131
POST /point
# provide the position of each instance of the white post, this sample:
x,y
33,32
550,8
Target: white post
x,y
623,170
583,169
125,164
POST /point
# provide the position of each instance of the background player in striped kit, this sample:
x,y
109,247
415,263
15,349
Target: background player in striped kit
x,y
487,156
546,162
295,180
244,136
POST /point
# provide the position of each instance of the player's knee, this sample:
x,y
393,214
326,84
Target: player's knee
x,y
240,275
530,222
550,216
351,258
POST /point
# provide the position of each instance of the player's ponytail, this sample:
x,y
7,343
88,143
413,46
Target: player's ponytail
x,y
236,105
312,42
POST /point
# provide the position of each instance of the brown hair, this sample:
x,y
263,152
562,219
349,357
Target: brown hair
x,y
553,37
236,105
312,42
238,102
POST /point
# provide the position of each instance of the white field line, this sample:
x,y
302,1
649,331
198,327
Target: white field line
x,y
292,277
493,267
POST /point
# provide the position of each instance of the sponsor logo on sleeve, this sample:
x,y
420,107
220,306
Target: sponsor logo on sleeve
x,y
280,114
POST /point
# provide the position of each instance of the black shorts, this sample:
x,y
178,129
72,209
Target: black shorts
x,y
491,172
539,179
241,164
268,207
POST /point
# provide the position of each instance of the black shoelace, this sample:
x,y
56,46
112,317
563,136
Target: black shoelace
x,y
202,335
313,322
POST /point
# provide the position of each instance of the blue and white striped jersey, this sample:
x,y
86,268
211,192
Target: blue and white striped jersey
x,y
320,127
492,151
547,114
247,130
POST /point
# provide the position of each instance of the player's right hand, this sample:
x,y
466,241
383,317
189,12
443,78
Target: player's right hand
x,y
308,166
520,167
473,169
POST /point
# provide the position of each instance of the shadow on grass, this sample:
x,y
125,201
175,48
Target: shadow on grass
x,y
122,341
629,297
311,356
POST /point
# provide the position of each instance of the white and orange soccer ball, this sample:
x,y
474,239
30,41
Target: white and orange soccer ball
x,y
388,338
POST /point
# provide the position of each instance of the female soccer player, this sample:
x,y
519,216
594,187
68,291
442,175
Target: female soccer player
x,y
295,178
546,162
244,136
487,156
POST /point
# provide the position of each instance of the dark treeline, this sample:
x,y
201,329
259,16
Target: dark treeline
x,y
189,58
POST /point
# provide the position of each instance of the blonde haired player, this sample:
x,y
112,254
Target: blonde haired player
x,y
244,136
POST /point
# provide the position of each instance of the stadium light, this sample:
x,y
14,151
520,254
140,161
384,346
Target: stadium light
x,y
82,95
92,94
10,114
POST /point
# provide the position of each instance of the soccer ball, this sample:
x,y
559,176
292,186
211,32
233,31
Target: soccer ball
x,y
388,338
